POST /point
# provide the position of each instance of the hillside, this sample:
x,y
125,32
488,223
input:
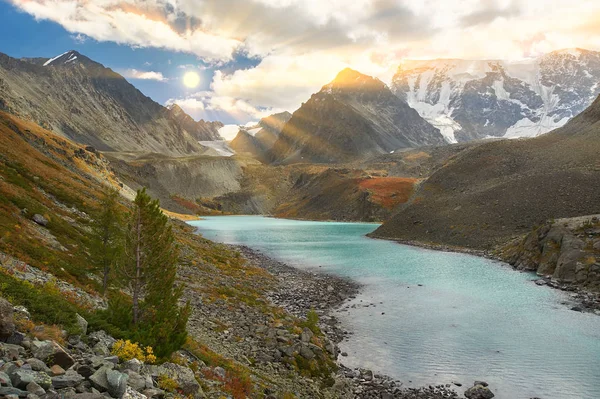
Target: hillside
x,y
81,99
258,140
491,193
50,189
353,117
474,99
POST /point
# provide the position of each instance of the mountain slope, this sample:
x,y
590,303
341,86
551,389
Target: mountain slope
x,y
82,100
257,141
488,194
353,117
474,99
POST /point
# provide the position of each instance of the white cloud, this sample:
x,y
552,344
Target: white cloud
x,y
79,38
143,75
188,104
302,44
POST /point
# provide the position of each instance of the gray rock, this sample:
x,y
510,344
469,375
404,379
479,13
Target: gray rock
x,y
88,395
82,324
85,370
37,365
52,353
35,389
220,372
20,378
69,380
132,394
133,365
154,393
306,335
99,380
7,325
17,338
5,380
135,380
12,352
112,359
39,219
306,353
6,392
479,392
117,383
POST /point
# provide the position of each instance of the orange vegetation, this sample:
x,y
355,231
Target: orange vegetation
x,y
388,191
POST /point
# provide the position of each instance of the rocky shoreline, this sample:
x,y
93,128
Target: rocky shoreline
x,y
299,291
581,300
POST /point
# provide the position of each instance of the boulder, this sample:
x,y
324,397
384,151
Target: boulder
x,y
5,380
153,393
39,219
10,351
133,394
306,335
56,370
117,383
306,353
70,379
182,375
37,365
20,378
35,389
7,391
51,353
220,372
7,325
109,380
82,324
478,392
99,380
135,380
133,365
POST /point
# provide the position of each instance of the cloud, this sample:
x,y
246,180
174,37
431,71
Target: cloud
x,y
189,105
143,75
79,38
299,45
228,132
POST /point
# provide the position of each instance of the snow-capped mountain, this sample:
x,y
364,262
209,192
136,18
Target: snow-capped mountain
x,y
353,117
469,100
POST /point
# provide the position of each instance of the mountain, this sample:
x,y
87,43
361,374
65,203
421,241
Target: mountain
x,y
81,99
201,130
353,117
468,99
258,140
488,194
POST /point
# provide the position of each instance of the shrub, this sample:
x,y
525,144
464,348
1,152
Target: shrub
x,y
127,350
166,383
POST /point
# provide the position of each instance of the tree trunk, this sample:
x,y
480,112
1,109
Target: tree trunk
x,y
138,270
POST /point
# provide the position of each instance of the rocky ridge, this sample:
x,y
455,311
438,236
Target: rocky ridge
x,y
81,99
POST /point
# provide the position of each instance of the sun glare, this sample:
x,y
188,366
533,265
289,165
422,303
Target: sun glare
x,y
191,79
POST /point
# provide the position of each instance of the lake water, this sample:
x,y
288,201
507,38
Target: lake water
x,y
472,318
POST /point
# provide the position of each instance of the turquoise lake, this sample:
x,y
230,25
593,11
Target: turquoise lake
x,y
471,318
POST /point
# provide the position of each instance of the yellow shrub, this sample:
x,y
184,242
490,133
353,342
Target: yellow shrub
x,y
167,384
127,350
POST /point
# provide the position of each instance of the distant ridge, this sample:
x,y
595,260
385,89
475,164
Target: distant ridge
x,y
91,104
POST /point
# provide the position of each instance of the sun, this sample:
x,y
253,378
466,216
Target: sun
x,y
191,79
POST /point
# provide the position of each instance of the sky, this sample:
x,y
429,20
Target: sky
x,y
257,57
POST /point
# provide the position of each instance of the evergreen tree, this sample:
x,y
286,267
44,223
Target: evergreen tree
x,y
149,268
107,237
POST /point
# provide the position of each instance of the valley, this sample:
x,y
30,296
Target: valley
x,y
280,259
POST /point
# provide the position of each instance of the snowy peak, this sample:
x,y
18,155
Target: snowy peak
x,y
349,80
473,99
64,58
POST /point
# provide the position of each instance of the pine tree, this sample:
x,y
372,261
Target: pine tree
x,y
107,237
149,268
